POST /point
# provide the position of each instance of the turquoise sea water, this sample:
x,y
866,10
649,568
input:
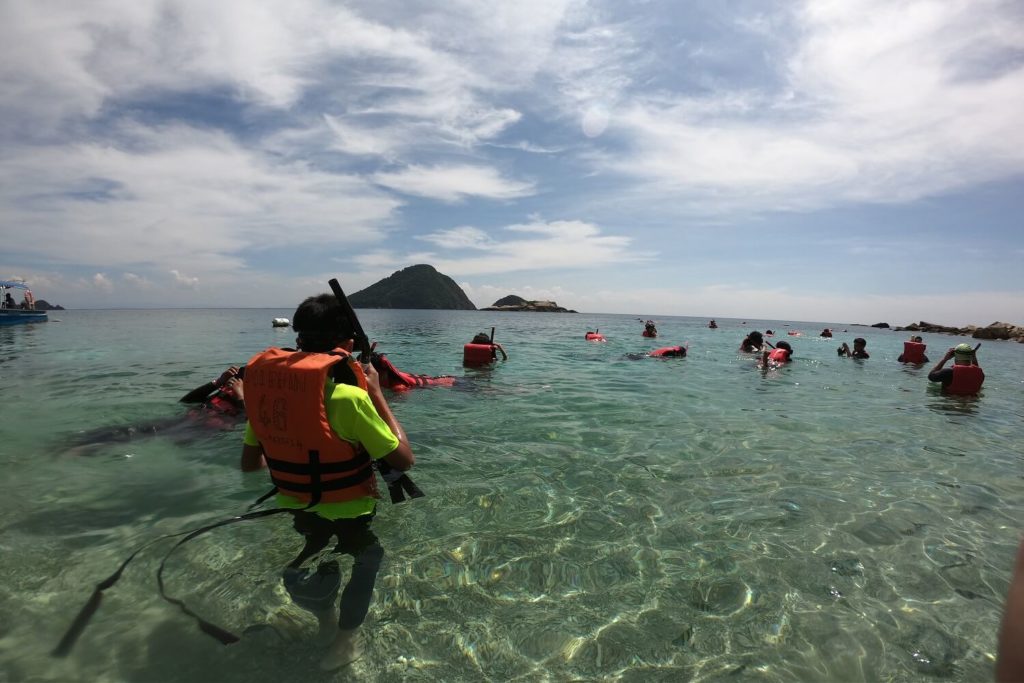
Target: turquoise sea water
x,y
588,517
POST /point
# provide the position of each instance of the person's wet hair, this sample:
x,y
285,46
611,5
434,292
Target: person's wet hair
x,y
482,338
861,341
784,345
321,323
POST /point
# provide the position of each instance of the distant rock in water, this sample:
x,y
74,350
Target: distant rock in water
x,y
518,303
419,286
44,305
883,326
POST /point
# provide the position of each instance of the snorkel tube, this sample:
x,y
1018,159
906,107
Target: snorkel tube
x,y
399,483
361,340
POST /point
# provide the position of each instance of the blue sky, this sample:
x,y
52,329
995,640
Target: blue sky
x,y
846,160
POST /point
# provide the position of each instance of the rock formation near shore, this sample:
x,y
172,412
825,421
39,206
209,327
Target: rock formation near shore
x,y
997,330
44,305
419,286
518,303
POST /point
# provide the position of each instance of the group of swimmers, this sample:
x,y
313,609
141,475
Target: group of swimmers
x,y
964,378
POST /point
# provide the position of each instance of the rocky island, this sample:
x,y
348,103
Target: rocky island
x,y
996,330
419,286
518,303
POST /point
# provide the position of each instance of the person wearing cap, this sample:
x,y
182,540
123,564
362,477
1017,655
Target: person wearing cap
x,y
965,377
317,420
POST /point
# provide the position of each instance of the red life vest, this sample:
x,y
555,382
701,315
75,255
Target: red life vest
x,y
650,333
284,398
220,403
913,352
594,336
478,354
668,352
967,380
779,355
396,380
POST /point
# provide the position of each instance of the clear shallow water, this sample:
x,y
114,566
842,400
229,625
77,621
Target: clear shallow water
x,y
588,516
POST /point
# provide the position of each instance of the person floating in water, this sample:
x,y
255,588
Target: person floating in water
x,y
859,349
965,377
335,493
650,330
826,332
713,325
220,407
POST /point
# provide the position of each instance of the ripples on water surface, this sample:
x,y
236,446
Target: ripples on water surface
x,y
588,516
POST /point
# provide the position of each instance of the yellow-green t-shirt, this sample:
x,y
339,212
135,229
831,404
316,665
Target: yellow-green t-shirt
x,y
354,419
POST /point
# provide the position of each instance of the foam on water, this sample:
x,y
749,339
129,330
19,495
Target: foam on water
x,y
588,516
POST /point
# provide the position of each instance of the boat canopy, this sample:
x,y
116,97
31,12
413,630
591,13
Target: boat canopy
x,y
13,284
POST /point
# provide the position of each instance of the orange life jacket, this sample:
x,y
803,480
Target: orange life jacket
x,y
967,380
668,352
478,354
594,336
913,352
779,355
284,398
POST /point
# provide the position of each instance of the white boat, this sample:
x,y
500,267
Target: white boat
x,y
281,322
12,313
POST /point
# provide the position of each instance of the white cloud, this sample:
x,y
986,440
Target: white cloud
x,y
176,194
454,183
101,282
879,105
185,281
560,245
464,237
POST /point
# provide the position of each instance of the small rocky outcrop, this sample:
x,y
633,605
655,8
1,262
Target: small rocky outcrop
x,y
44,305
997,330
517,303
883,326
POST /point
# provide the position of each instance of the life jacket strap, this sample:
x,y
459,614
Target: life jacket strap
x,y
362,459
317,486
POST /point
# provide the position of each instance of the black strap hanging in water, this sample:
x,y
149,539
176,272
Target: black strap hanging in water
x,y
85,614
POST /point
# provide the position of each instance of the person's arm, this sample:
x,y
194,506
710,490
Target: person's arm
x,y
201,393
252,458
504,356
252,452
1010,655
402,457
933,374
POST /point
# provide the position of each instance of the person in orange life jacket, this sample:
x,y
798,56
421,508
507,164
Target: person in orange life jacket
x,y
360,423
485,339
783,353
226,394
965,361
859,349
913,341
